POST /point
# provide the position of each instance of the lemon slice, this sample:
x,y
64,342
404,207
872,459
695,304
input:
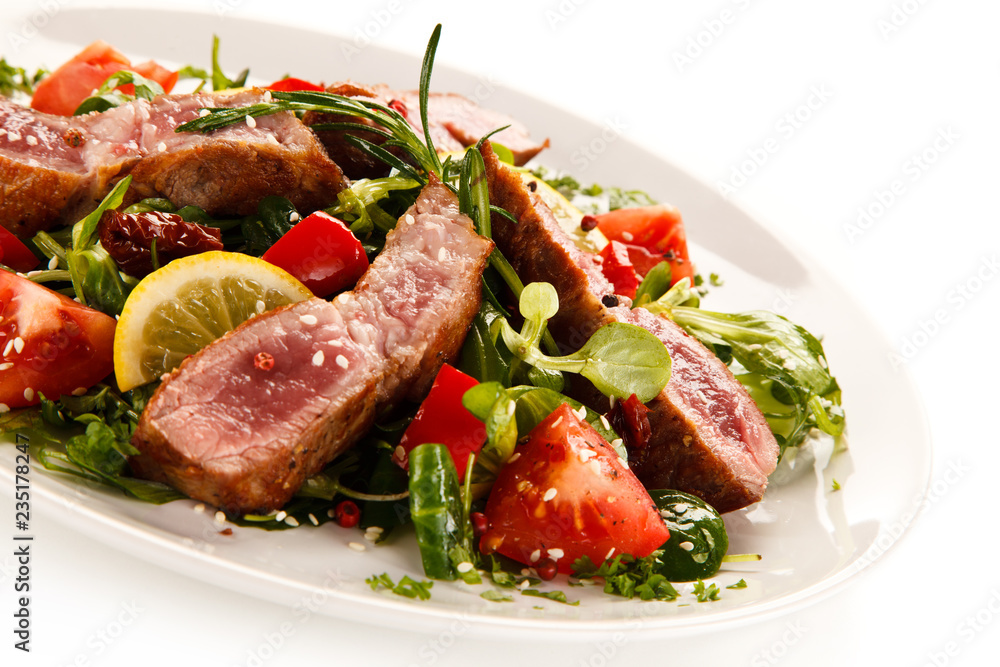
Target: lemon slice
x,y
179,309
567,215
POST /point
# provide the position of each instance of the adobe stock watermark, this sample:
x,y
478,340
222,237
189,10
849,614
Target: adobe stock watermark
x,y
910,172
780,647
378,20
954,472
710,31
102,639
956,299
588,153
556,15
785,128
272,641
434,649
226,7
899,15
966,631
37,19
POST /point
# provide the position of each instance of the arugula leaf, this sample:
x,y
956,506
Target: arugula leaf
x,y
219,80
108,96
781,364
494,595
17,80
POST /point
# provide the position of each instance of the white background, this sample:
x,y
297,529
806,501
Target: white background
x,y
887,92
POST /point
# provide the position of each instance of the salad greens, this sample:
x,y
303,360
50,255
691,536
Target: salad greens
x,y
17,80
782,365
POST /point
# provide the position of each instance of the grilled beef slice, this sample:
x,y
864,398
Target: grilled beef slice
x,y
454,123
708,436
56,169
244,437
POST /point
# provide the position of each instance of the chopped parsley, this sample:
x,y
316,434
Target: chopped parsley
x,y
706,593
493,595
407,587
739,584
629,577
836,485
557,596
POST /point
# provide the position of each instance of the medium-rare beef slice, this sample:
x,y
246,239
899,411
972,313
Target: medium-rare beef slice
x,y
709,437
57,169
454,121
234,433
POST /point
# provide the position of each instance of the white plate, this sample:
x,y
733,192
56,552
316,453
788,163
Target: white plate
x,y
811,538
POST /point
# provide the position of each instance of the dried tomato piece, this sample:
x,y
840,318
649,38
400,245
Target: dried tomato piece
x,y
128,238
630,419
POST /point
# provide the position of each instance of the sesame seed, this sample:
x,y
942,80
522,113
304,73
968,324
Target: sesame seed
x,y
318,358
681,508
79,391
280,516
604,422
32,140
53,262
4,408
581,413
686,546
556,554
535,555
29,394
267,96
251,121
199,508
161,147
272,139
515,456
627,237
595,467
260,306
7,365
294,216
356,546
220,517
464,566
611,553
8,348
790,364
525,584
400,453
203,113
330,513
371,537
586,454
550,494
342,361
308,319
18,344
442,254
292,521
378,530
617,442
336,343
313,520
13,136
557,422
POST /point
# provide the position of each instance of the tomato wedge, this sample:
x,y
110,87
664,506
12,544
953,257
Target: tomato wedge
x,y
62,91
652,234
564,494
50,343
322,252
15,254
444,420
290,83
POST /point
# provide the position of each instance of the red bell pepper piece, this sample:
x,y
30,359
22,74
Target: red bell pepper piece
x,y
443,419
290,83
618,269
15,254
322,252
